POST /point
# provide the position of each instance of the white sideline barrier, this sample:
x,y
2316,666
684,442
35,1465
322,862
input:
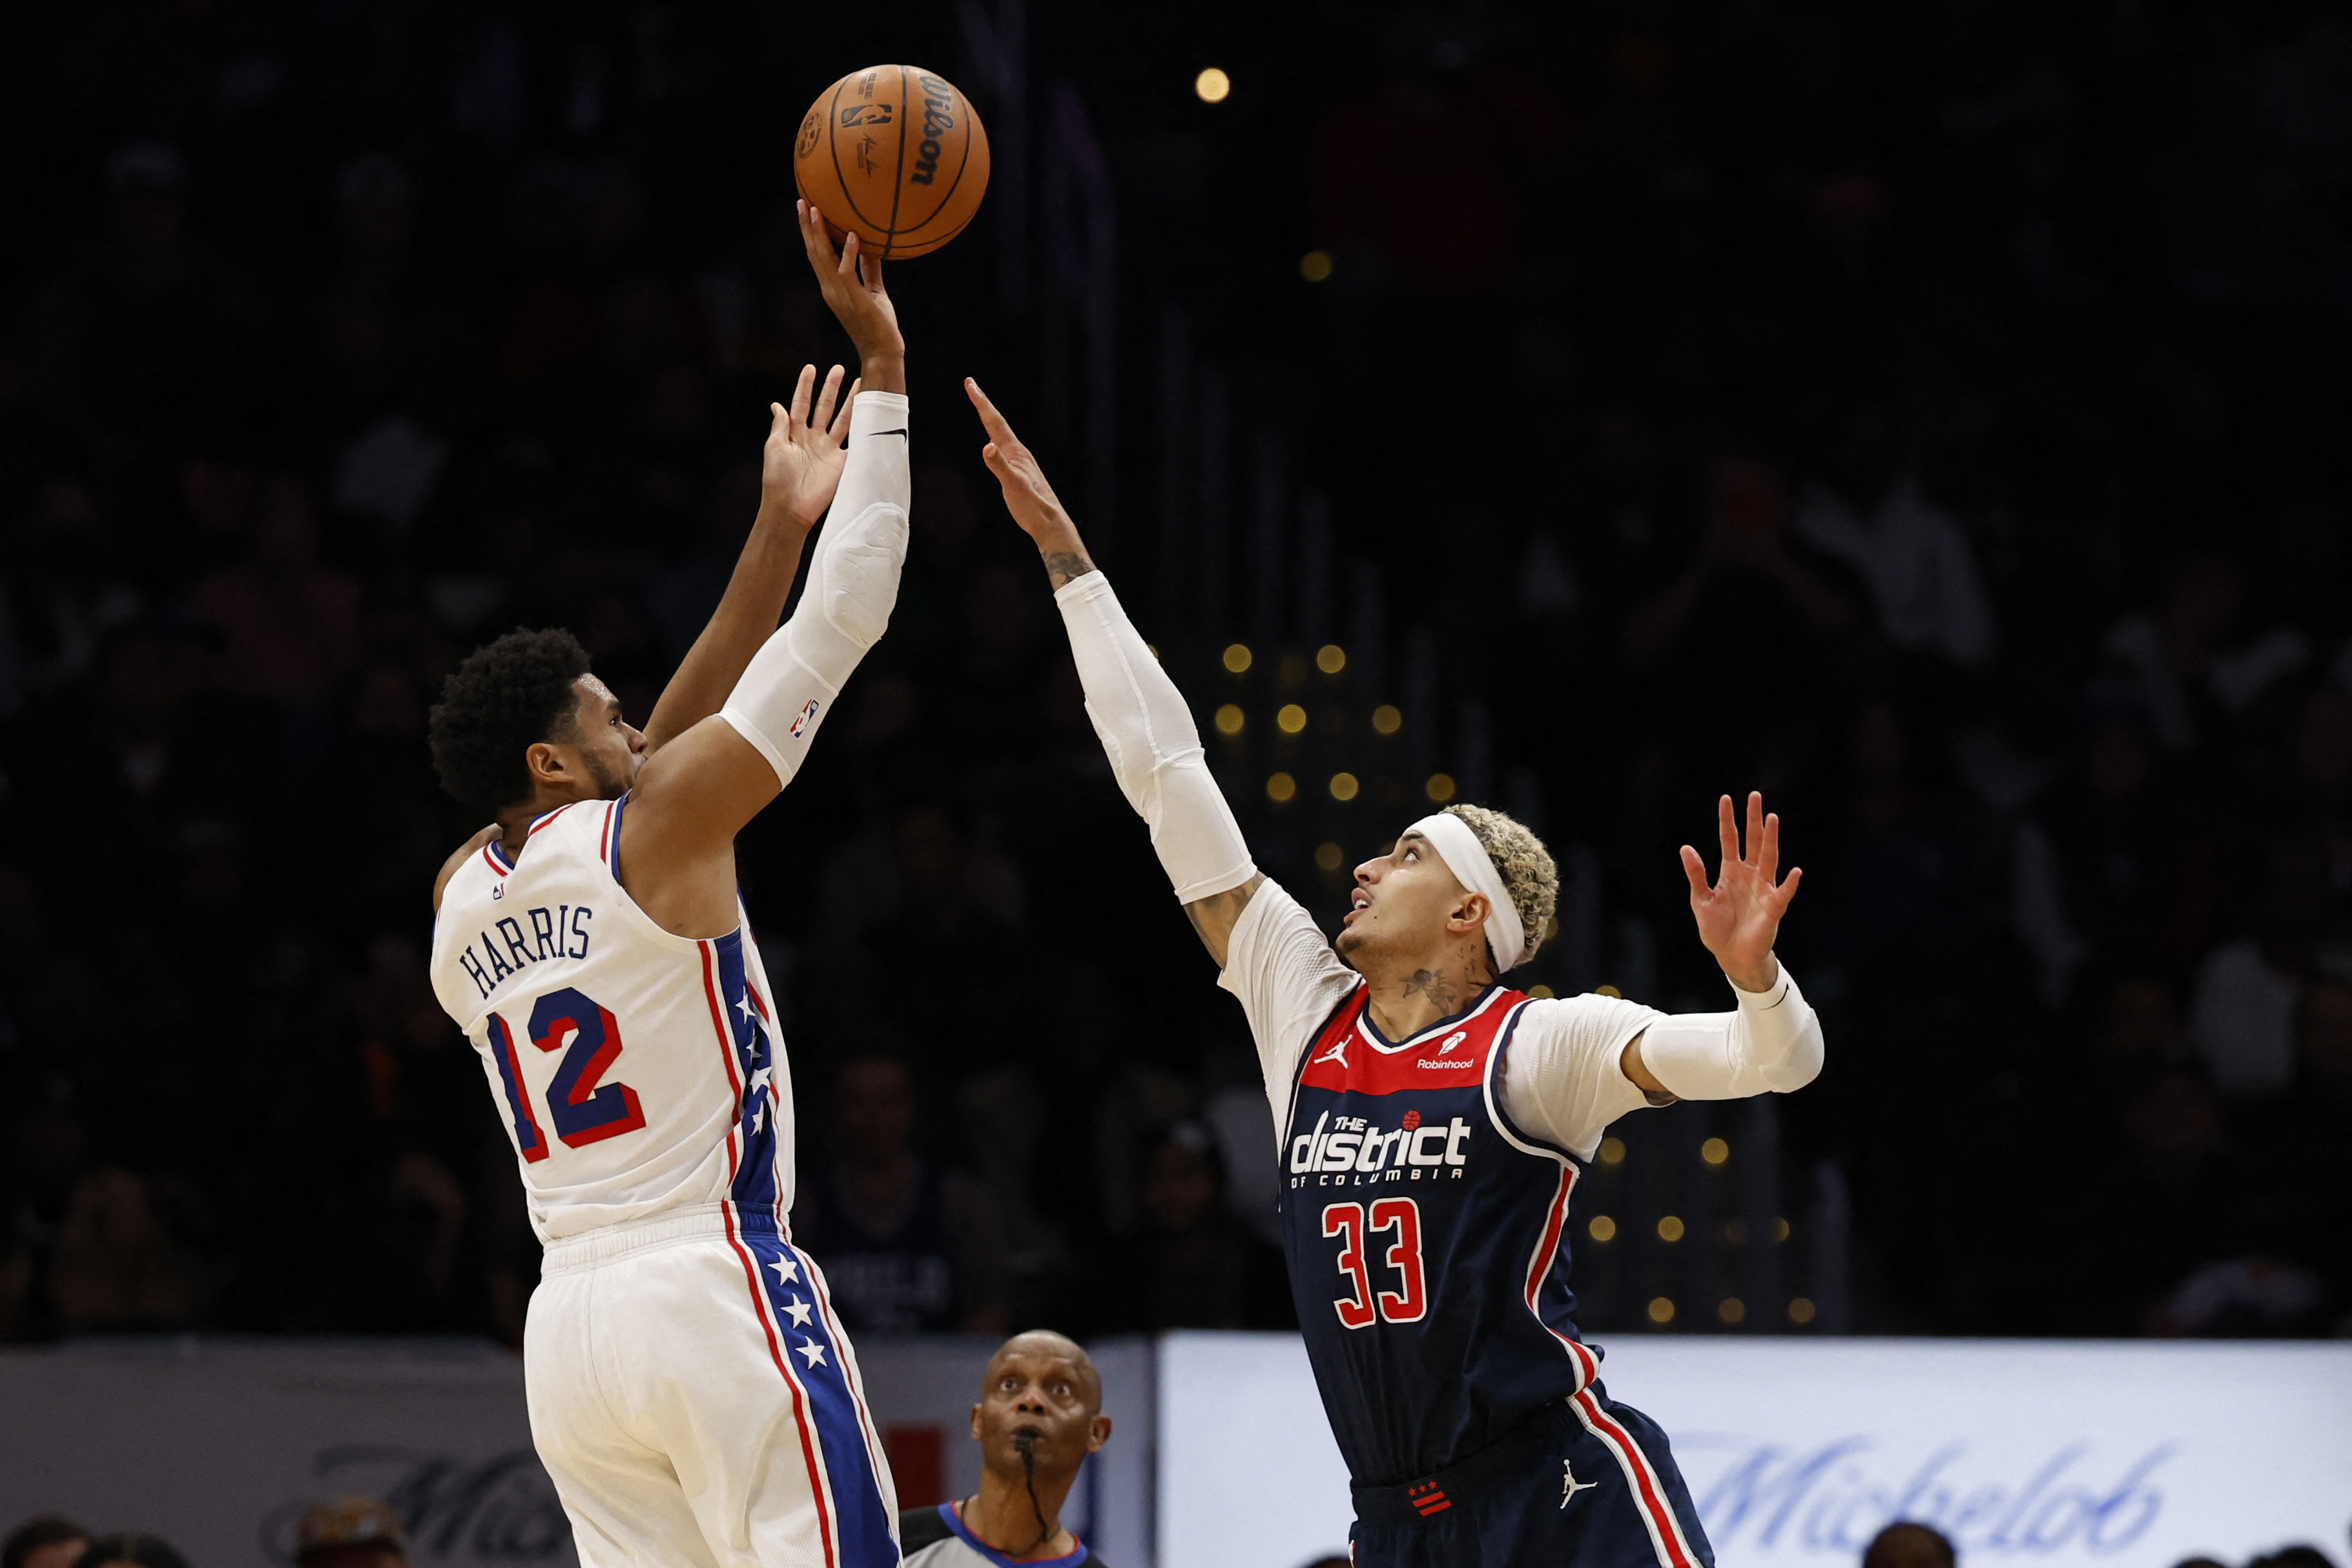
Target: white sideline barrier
x,y
2065,1454
218,1445
2068,1455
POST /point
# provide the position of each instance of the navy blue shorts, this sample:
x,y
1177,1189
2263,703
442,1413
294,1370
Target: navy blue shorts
x,y
1587,1483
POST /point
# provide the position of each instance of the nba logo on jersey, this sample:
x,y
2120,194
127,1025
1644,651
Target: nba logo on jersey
x,y
801,724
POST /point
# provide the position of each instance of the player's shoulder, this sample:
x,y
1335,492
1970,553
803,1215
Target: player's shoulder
x,y
1587,1013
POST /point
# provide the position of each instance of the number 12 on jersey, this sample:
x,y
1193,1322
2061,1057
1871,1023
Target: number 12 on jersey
x,y
1362,1304
584,1109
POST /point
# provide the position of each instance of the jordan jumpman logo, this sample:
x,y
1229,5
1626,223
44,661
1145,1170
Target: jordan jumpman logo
x,y
1570,1485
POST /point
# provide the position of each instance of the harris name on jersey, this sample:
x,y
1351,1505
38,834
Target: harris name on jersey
x,y
560,932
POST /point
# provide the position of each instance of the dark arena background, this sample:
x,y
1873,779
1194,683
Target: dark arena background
x,y
1934,416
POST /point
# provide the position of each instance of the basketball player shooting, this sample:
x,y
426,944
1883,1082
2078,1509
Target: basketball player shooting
x,y
1434,1123
690,1391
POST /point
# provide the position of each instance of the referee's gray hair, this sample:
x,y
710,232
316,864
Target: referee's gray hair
x,y
1523,863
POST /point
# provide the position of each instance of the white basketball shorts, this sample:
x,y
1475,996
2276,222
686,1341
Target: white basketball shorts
x,y
696,1403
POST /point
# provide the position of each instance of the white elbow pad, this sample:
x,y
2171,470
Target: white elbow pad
x,y
1146,731
853,583
1772,1044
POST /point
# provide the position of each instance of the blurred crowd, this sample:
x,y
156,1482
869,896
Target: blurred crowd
x,y
1931,416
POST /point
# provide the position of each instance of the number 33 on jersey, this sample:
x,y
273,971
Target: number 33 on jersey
x,y
619,1052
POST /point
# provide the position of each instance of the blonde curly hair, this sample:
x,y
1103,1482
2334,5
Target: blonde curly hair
x,y
1523,863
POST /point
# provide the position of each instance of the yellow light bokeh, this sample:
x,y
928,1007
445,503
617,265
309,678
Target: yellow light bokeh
x,y
1439,787
1602,1228
1670,1227
1732,1310
1607,991
1800,1311
1387,720
1714,1151
1280,788
1542,992
1661,1310
1343,786
1734,1234
1331,659
1328,856
1230,719
1291,719
1314,265
1238,657
1780,1230
1212,86
1612,1151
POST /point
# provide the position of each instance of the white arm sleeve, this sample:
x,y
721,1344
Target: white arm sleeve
x,y
853,581
1772,1044
1154,749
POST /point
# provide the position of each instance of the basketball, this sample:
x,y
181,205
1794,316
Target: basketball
x,y
894,155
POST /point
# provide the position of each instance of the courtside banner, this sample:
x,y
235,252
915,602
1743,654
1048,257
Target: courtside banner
x,y
2057,1453
218,1445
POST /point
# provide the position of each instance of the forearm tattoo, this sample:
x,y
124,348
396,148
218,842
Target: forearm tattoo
x,y
1066,566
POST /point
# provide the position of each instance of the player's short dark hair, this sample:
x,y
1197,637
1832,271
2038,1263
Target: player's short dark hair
x,y
506,697
1906,1544
47,1530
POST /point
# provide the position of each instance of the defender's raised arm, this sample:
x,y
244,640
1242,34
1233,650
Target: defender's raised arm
x,y
1146,728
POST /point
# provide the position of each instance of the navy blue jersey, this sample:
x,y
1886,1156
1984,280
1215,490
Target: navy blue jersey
x,y
1427,1242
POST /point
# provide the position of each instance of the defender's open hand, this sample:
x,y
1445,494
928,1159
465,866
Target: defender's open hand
x,y
802,464
852,285
1740,917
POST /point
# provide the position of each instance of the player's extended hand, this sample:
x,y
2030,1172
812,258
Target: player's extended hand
x,y
852,285
1027,496
1740,917
802,464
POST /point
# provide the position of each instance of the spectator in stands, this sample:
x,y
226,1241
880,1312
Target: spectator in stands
x,y
1905,1544
910,1247
130,1549
1039,1416
1194,1264
47,1542
350,1532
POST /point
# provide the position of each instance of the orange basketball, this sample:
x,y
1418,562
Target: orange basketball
x,y
896,156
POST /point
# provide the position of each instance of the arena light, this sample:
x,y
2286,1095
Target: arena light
x,y
1387,720
1328,856
1343,786
1439,787
1612,1151
1314,265
1800,1311
1662,1310
1212,86
1291,719
1602,1228
1238,657
1732,1310
1670,1228
1280,788
1230,719
1714,1151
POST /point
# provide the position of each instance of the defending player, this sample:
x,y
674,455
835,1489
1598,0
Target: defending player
x,y
1434,1123
690,1391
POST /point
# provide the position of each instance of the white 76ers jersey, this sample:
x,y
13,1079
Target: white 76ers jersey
x,y
637,1071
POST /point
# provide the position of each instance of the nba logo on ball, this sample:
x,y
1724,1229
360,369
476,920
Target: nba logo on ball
x,y
807,715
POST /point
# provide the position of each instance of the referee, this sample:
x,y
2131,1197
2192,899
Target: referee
x,y
1039,1415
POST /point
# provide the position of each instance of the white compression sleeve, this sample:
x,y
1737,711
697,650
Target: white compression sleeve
x,y
1772,1043
853,581
1155,751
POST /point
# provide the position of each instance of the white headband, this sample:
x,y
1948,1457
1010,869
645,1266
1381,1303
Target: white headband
x,y
1459,847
